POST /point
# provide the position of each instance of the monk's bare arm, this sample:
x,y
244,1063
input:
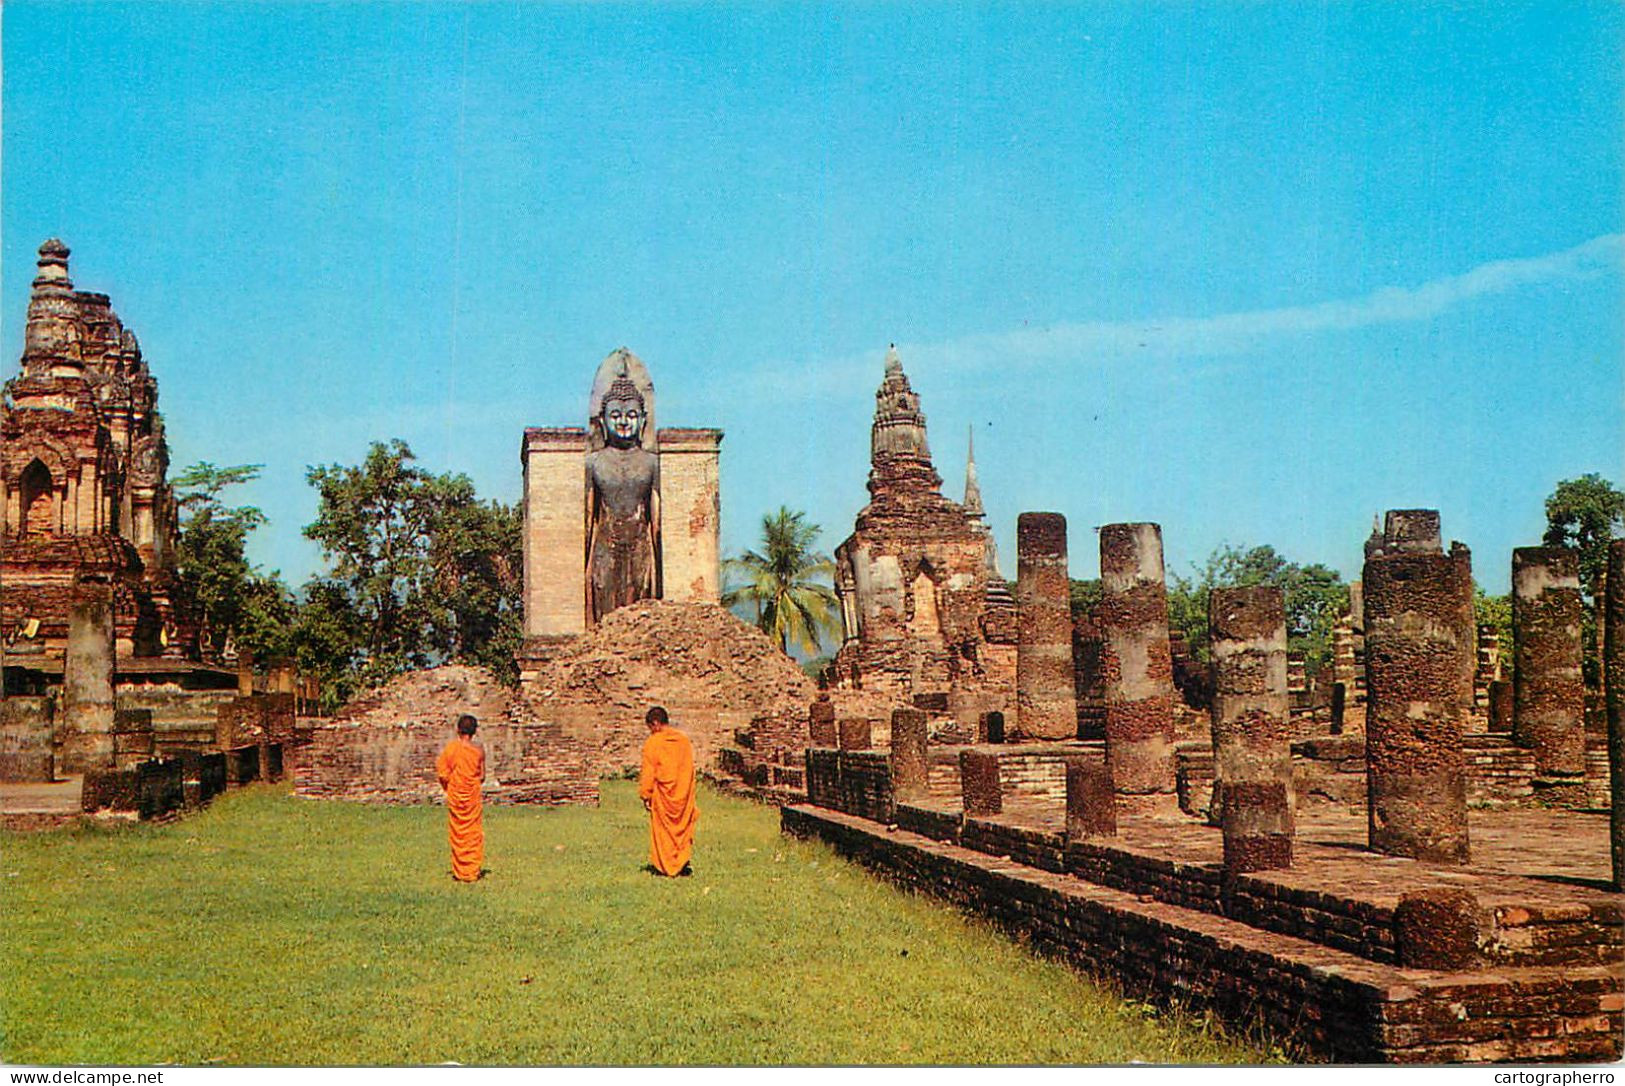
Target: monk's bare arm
x,y
646,778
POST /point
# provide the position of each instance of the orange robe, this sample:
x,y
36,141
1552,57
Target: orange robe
x,y
666,783
461,768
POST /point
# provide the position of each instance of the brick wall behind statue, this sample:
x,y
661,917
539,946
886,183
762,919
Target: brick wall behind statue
x,y
395,764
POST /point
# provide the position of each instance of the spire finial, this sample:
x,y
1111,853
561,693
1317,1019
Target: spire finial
x,y
53,265
894,364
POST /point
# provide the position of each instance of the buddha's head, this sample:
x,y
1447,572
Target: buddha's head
x,y
623,414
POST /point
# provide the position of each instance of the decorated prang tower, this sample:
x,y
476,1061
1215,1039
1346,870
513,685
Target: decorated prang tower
x,y
85,505
927,618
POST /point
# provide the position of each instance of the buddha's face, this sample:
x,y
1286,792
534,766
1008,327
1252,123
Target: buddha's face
x,y
623,421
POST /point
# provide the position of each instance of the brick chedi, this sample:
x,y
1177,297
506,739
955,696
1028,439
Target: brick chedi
x,y
923,609
83,493
1420,692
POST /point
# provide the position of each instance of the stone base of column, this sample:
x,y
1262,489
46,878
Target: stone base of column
x,y
1561,793
1500,694
1423,816
1257,826
1437,929
823,732
990,727
910,767
1091,805
84,752
821,723
979,785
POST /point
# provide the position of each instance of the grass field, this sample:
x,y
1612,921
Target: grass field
x,y
272,930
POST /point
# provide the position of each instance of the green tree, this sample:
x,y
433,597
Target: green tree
x,y
783,584
1586,514
1081,595
1314,596
233,600
476,562
421,572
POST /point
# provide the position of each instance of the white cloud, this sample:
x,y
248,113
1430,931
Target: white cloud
x,y
1200,337
1229,332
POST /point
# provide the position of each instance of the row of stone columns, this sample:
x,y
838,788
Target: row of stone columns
x,y
1138,668
1421,649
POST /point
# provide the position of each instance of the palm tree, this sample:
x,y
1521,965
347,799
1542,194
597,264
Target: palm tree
x,y
791,607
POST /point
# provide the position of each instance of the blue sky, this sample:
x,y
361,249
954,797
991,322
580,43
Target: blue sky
x,y
1252,271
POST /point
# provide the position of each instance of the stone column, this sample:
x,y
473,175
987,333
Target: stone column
x,y
245,673
87,680
910,767
1416,769
1091,804
981,791
1046,703
1548,691
1133,615
1252,741
1613,670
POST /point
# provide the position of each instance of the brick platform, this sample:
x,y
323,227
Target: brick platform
x,y
1339,1005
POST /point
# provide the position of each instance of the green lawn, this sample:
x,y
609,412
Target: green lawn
x,y
272,930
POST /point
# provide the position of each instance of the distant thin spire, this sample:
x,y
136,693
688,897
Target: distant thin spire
x,y
894,364
973,488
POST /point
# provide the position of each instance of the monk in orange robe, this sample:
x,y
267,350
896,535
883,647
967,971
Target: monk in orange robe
x,y
461,769
666,785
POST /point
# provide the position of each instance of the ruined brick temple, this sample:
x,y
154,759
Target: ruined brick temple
x,y
1405,860
927,619
83,493
100,652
